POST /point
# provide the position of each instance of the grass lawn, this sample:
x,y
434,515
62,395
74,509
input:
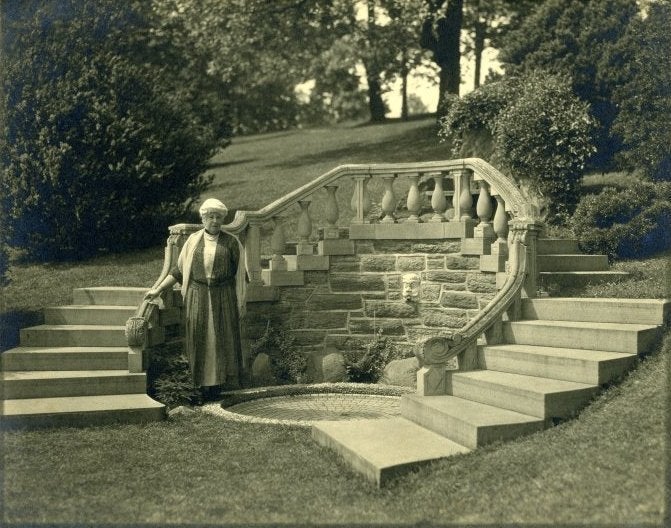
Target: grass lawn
x,y
256,170
608,466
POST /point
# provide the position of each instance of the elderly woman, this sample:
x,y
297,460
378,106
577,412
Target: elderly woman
x,y
206,269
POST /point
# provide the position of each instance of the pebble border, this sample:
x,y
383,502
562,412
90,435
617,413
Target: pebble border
x,y
235,397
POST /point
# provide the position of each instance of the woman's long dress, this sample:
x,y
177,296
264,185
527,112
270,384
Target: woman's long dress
x,y
212,337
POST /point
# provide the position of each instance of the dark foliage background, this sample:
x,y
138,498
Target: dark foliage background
x,y
107,130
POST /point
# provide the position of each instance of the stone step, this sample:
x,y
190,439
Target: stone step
x,y
467,422
582,366
65,358
572,262
540,397
79,411
633,311
73,335
84,314
53,384
609,337
554,246
109,295
383,448
564,279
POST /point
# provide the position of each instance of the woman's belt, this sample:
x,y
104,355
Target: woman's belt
x,y
215,283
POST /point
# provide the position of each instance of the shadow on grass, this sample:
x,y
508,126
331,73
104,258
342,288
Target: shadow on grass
x,y
220,164
421,141
12,322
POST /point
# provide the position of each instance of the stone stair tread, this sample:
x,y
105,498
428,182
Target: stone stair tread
x,y
474,413
558,352
603,300
521,382
17,375
584,273
381,447
74,327
600,309
584,324
77,404
65,349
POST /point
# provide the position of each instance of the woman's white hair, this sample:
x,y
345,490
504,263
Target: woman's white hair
x,y
213,205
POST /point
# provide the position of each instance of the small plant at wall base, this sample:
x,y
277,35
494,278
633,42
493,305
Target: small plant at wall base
x,y
169,378
368,368
287,364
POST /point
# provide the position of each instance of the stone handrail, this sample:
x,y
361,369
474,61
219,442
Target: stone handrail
x,y
434,353
515,202
140,325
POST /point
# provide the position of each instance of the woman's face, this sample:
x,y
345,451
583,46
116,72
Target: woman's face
x,y
212,221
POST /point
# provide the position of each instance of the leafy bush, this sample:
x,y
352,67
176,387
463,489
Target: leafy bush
x,y
287,364
644,99
4,253
107,133
533,128
633,222
476,111
544,139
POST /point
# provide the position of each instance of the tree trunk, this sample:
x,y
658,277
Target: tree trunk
x,y
404,98
404,89
444,41
375,102
478,49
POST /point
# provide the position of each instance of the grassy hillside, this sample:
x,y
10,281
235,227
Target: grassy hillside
x,y
257,170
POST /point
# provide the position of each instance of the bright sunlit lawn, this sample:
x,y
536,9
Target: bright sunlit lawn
x,y
607,466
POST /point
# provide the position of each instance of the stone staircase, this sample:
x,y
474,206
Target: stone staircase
x,y
550,364
561,264
546,366
73,369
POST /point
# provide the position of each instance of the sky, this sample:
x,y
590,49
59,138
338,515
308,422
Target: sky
x,y
428,91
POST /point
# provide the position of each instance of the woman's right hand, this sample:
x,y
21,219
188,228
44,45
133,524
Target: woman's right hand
x,y
152,294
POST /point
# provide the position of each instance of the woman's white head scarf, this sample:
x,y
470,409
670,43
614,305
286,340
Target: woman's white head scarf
x,y
213,205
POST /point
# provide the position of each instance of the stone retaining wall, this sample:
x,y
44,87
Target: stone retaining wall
x,y
340,309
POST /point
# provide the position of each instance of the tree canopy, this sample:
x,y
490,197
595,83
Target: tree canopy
x,y
576,38
108,131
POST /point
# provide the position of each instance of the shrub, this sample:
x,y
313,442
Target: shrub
x,y
644,99
533,128
287,364
544,139
4,252
477,111
633,222
107,137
